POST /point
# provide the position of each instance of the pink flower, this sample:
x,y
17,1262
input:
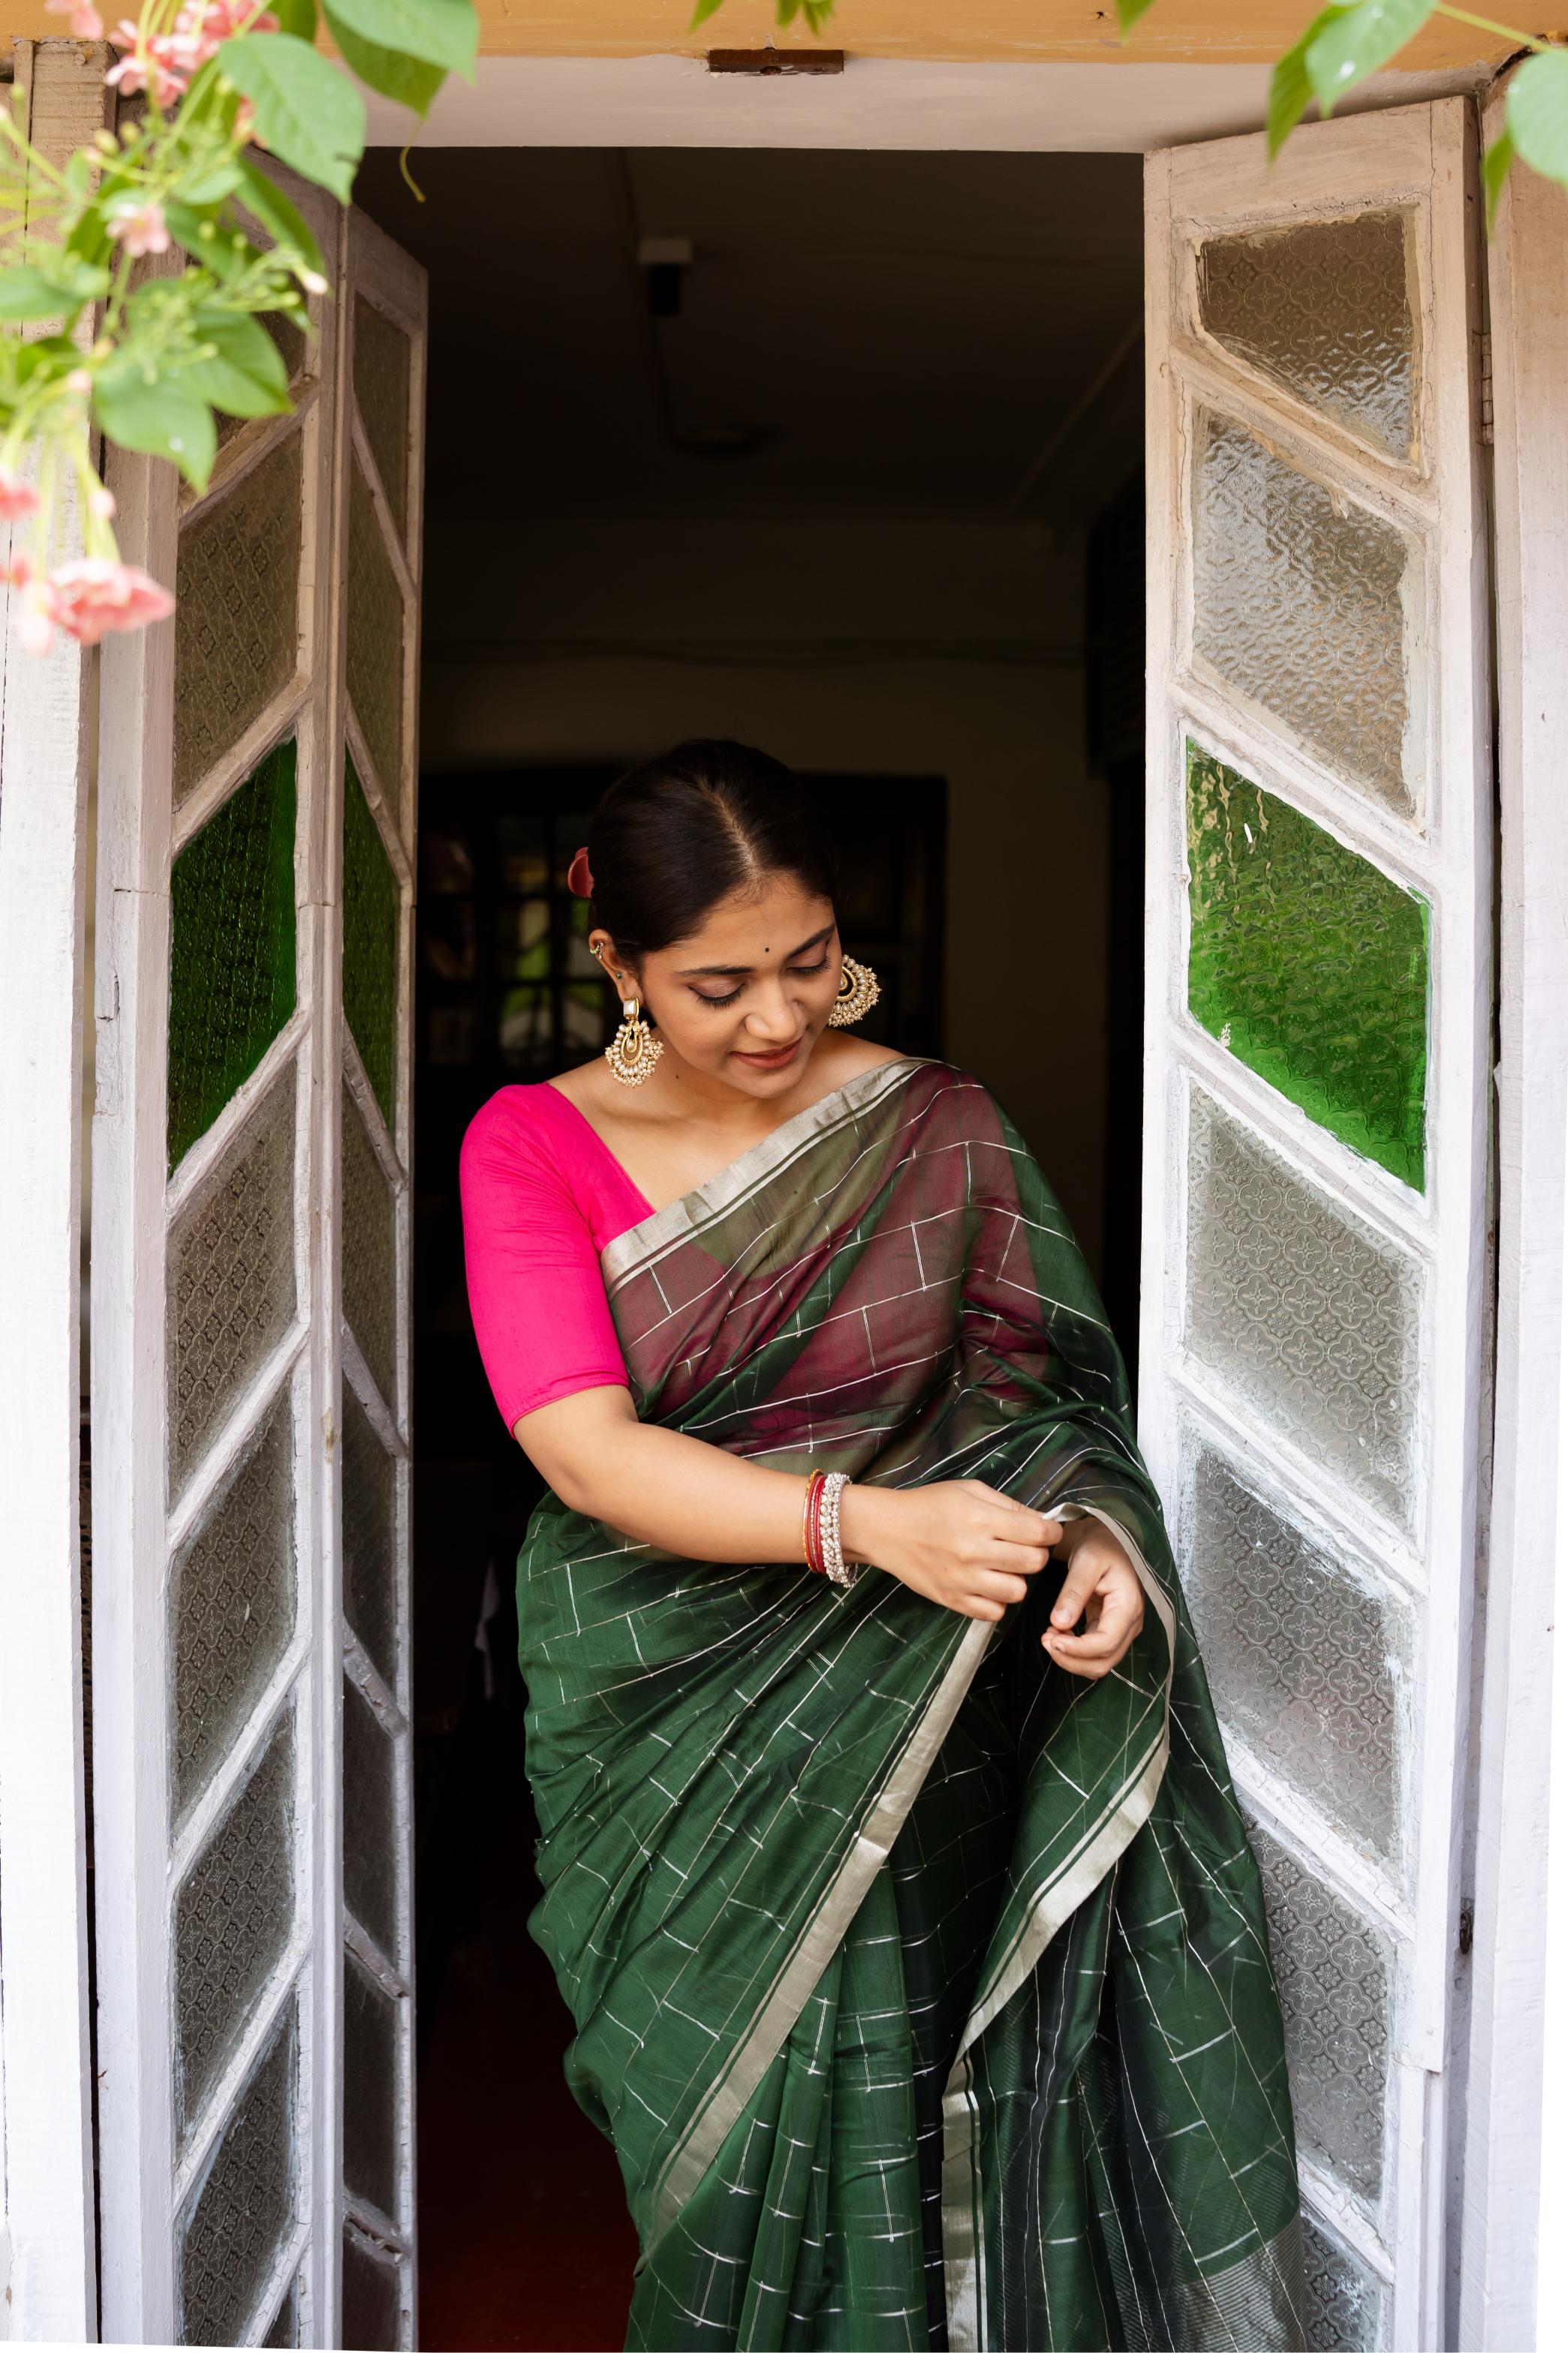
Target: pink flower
x,y
95,594
143,231
20,570
169,61
18,498
86,22
99,501
35,631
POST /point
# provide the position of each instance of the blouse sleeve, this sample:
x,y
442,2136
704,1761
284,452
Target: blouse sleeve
x,y
535,1292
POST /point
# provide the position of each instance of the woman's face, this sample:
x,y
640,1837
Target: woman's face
x,y
747,996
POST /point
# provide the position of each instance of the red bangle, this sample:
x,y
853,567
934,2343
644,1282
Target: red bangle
x,y
811,1523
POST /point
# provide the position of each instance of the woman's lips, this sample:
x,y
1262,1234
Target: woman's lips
x,y
775,1059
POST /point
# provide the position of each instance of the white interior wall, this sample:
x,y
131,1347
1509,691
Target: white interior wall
x,y
866,646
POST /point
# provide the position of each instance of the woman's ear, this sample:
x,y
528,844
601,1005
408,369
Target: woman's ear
x,y
615,969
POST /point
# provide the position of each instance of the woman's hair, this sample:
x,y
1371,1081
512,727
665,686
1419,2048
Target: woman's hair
x,y
671,838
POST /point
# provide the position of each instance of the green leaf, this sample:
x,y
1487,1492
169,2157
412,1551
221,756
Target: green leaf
x,y
278,216
297,16
1538,114
1289,90
207,241
787,11
1496,165
816,13
1128,12
247,377
308,112
1356,41
26,294
703,10
211,186
165,418
408,82
443,33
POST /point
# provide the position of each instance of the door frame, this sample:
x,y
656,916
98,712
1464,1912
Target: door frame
x,y
1517,2140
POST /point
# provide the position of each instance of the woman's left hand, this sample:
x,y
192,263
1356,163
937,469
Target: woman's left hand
x,y
1103,1588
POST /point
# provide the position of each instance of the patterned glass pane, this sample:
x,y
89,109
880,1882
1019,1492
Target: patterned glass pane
x,y
236,631
370,1857
241,2213
1344,2300
372,2298
291,342
1308,965
1302,1309
370,2091
370,1245
1335,1971
1299,604
231,1601
375,640
1324,309
1307,1663
373,905
233,1917
231,1277
285,2329
231,967
370,1533
381,393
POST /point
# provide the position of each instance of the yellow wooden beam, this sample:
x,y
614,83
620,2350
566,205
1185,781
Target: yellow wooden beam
x,y
1043,32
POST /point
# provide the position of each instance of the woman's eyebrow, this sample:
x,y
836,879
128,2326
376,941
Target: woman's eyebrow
x,y
737,971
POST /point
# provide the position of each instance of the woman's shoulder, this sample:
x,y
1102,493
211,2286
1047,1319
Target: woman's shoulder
x,y
519,1122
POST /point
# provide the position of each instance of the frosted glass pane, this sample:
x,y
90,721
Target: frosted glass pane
x,y
373,906
370,1835
236,633
231,1601
375,640
381,360
370,2091
369,1254
370,1536
1299,605
371,2298
1323,309
233,1917
1301,1308
242,2210
231,964
1309,963
1335,1972
1311,1665
231,1293
1345,2299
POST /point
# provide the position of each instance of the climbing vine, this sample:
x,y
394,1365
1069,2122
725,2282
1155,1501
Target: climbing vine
x,y
149,356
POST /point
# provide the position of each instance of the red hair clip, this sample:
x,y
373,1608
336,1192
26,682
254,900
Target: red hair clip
x,y
579,880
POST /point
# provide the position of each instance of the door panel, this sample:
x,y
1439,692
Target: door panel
x,y
1316,1095
249,1354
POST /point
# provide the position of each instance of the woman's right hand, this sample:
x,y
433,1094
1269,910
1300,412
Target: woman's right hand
x,y
958,1542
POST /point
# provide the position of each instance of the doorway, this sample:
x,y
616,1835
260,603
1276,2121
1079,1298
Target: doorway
x,y
832,452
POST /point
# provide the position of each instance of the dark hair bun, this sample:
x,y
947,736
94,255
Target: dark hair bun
x,y
671,838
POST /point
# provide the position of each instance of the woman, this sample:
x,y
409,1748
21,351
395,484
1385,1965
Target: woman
x,y
891,1868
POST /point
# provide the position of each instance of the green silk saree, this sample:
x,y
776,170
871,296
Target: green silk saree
x,y
923,1989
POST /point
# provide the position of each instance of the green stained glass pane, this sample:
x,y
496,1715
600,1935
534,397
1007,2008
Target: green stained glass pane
x,y
231,979
1308,965
372,907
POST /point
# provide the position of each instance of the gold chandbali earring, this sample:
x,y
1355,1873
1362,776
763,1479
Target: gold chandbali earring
x,y
634,1051
858,990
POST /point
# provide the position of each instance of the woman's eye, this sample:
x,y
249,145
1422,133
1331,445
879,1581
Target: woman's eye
x,y
703,998
805,970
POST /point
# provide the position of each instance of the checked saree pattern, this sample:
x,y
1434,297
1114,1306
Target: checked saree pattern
x,y
923,1989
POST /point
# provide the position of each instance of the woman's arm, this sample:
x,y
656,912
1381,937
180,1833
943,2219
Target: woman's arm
x,y
958,1542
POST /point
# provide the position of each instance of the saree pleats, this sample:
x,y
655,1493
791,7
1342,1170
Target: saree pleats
x,y
923,1989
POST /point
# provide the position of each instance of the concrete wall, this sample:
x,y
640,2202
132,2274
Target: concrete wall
x,y
873,647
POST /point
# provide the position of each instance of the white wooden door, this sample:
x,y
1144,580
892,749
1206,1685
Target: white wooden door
x,y
1316,1113
250,1374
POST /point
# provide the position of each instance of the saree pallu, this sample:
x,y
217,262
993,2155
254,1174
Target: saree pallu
x,y
923,1989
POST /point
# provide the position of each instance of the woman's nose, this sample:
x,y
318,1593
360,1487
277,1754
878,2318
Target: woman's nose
x,y
771,1014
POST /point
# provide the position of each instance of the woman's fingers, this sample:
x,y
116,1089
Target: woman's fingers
x,y
1087,1567
1116,1617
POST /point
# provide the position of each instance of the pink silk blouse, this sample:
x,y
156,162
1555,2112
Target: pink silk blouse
x,y
542,1196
